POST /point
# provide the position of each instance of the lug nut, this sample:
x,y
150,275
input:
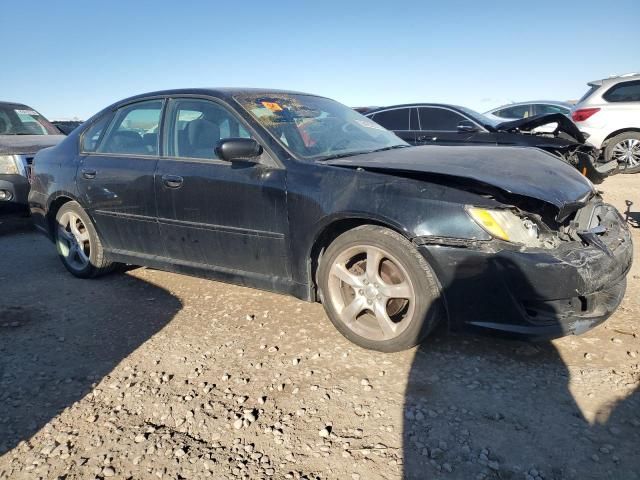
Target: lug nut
x,y
361,292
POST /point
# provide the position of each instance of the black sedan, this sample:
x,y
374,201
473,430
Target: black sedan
x,y
442,124
298,194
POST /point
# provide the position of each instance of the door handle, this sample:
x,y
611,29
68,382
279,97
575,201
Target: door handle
x,y
88,173
172,181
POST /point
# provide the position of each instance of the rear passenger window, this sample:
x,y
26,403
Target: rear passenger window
x,y
196,126
623,92
397,119
134,130
92,136
433,118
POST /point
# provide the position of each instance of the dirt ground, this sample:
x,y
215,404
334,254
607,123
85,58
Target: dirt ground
x,y
146,374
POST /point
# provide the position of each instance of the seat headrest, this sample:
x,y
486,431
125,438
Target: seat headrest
x,y
203,134
127,141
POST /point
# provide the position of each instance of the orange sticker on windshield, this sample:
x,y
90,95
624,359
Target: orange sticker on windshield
x,y
273,106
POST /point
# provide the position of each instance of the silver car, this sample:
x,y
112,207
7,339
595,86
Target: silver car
x,y
609,113
515,111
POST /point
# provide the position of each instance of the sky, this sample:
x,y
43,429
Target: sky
x,y
73,58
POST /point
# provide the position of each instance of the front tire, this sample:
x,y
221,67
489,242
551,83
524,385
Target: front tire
x,y
625,148
78,244
378,290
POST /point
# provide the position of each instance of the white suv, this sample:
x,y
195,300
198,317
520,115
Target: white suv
x,y
609,113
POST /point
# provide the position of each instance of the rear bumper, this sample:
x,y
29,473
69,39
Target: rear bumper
x,y
17,187
544,294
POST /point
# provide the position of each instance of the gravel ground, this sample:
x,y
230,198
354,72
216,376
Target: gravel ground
x,y
146,374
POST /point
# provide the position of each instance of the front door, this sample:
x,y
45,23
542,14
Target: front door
x,y
439,126
211,213
115,178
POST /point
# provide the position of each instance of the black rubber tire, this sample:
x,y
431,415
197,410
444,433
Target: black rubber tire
x,y
98,262
429,304
613,142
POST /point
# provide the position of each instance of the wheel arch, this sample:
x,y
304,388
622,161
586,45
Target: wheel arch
x,y
331,229
54,206
618,132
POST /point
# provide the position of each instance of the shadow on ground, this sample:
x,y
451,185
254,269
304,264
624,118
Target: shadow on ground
x,y
491,408
60,335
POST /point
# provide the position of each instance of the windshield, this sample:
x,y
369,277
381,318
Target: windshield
x,y
15,120
316,128
480,118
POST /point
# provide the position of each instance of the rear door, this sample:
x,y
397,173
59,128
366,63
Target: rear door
x,y
398,120
115,177
229,217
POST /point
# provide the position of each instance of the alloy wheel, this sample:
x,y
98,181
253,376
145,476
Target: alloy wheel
x,y
74,241
372,292
628,152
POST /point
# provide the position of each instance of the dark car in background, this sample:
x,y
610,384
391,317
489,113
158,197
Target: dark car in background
x,y
298,194
23,132
443,124
66,126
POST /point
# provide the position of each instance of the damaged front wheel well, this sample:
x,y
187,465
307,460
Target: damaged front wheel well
x,y
328,235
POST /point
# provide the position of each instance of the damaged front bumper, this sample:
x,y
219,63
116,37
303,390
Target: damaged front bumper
x,y
534,293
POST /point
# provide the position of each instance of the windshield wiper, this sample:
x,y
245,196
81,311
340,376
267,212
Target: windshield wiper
x,y
363,152
392,147
342,155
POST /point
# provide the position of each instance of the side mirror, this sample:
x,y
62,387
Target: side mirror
x,y
467,126
238,149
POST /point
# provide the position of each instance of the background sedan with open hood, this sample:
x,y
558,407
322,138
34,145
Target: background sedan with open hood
x,y
442,124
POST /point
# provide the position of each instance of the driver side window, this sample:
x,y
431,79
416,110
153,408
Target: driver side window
x,y
196,126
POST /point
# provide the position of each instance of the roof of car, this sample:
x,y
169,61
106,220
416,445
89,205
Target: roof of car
x,y
405,105
222,92
13,105
537,102
616,78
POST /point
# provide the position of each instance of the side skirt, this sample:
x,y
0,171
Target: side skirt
x,y
227,275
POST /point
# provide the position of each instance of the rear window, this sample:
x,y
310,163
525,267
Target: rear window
x,y
592,88
623,92
22,120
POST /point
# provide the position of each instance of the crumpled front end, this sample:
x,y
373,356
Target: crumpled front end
x,y
539,293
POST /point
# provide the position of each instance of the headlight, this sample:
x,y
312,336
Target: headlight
x,y
506,225
8,165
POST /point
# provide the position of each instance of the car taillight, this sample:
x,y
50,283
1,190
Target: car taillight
x,y
582,114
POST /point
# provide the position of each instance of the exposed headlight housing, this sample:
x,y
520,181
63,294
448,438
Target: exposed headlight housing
x,y
506,225
8,165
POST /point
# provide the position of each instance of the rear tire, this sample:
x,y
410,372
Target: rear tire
x,y
625,148
378,290
78,244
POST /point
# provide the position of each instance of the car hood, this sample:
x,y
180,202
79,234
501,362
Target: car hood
x,y
527,124
522,171
24,144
